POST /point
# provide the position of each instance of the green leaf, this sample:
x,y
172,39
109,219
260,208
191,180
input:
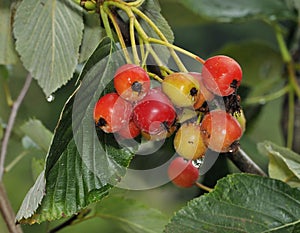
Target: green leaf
x,y
80,174
38,133
284,164
48,34
92,34
241,203
238,10
130,215
7,52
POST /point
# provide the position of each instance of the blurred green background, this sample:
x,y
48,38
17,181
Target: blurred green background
x,y
252,43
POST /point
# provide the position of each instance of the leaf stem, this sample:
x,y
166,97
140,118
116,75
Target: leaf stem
x,y
291,119
9,100
203,187
108,12
7,212
287,59
11,122
15,161
269,97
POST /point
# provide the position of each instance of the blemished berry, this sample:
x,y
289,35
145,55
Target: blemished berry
x,y
112,113
222,75
205,94
131,82
220,131
188,141
182,89
183,173
129,131
159,136
155,113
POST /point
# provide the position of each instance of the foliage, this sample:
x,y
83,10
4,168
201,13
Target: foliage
x,y
69,50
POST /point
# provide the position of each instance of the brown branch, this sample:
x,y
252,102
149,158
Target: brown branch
x,y
7,212
11,122
244,163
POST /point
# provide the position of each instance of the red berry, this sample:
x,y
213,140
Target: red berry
x,y
183,173
220,131
131,82
129,131
222,75
112,113
155,113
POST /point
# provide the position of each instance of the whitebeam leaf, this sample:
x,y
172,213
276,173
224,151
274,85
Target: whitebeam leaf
x,y
48,36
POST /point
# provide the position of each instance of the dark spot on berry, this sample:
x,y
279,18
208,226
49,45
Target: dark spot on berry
x,y
137,87
234,84
193,91
101,122
190,142
232,103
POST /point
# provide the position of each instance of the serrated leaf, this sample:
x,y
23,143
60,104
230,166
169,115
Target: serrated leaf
x,y
130,215
38,133
48,35
71,182
7,51
239,10
241,203
284,164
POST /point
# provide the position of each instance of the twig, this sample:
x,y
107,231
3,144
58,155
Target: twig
x,y
7,212
64,224
245,163
11,122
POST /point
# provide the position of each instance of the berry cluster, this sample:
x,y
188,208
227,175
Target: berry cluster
x,y
185,104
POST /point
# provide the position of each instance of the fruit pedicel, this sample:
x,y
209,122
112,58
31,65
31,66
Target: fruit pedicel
x,y
136,109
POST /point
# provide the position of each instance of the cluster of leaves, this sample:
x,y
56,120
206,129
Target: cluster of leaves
x,y
54,37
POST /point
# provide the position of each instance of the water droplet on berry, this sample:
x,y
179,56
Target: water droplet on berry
x,y
50,98
198,162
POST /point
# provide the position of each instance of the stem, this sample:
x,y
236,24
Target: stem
x,y
291,119
15,161
132,39
203,187
267,98
181,50
245,163
156,77
7,212
71,221
118,31
105,21
11,122
161,36
137,3
9,100
287,59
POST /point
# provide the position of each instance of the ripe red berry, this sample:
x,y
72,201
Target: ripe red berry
x,y
155,113
131,82
183,173
129,131
112,113
182,89
220,131
188,141
222,75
